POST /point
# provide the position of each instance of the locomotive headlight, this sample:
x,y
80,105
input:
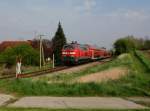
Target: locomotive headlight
x,y
72,53
64,52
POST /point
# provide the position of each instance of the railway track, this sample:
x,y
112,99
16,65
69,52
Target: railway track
x,y
36,73
44,72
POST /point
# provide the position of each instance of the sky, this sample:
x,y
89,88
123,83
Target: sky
x,y
98,22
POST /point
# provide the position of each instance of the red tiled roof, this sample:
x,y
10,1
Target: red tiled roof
x,y
6,44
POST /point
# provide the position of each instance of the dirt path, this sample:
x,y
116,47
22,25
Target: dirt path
x,y
111,74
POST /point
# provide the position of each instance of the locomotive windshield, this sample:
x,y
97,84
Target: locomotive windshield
x,y
68,47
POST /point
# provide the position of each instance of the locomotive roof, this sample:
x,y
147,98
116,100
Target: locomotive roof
x,y
87,45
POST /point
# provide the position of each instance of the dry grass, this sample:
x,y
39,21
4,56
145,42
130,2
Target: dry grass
x,y
111,74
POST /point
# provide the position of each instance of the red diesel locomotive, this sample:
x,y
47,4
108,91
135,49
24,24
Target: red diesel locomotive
x,y
75,53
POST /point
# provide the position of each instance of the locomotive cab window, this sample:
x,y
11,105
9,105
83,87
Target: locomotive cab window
x,y
68,47
83,47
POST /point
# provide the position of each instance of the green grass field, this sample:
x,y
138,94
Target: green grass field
x,y
136,83
147,53
143,59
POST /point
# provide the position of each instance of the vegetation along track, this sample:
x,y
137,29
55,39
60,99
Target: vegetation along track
x,y
44,72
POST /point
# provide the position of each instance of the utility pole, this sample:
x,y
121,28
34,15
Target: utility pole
x,y
41,50
35,34
43,58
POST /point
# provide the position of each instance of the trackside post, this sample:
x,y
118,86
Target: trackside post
x,y
53,60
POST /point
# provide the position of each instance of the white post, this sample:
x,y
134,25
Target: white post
x,y
17,69
53,61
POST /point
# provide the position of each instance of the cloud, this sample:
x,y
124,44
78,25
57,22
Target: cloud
x,y
86,6
133,15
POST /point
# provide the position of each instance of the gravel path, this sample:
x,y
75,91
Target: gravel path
x,y
71,102
4,99
79,68
70,70
141,100
76,103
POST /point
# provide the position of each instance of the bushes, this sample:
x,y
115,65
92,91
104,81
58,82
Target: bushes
x,y
143,59
29,55
124,45
146,44
130,43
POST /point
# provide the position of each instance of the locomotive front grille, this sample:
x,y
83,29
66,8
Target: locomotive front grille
x,y
69,59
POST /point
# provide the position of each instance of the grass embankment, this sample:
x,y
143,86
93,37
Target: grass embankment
x,y
143,59
31,109
136,83
68,78
147,53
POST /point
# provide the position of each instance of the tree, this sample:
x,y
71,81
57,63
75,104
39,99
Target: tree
x,y
58,41
139,43
147,44
124,45
47,46
29,55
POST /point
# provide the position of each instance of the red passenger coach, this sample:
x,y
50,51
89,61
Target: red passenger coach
x,y
76,53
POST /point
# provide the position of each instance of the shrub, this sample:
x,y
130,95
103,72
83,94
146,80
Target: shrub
x,y
143,59
29,55
124,45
